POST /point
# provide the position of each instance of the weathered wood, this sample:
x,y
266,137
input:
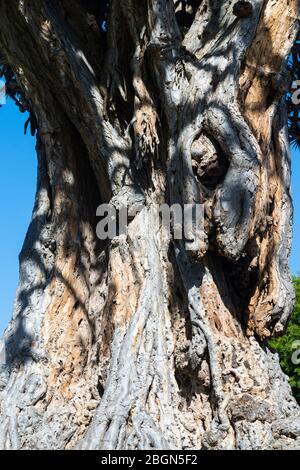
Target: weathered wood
x,y
138,343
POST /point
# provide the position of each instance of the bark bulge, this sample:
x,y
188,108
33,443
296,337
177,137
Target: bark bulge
x,y
137,342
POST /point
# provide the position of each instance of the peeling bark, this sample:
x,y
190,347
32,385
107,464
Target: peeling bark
x,y
139,343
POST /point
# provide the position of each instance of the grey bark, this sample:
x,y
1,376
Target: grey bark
x,y
139,343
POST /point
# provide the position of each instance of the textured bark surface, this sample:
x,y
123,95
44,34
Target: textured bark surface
x,y
138,343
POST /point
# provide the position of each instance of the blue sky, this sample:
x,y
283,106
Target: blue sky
x,y
295,261
17,189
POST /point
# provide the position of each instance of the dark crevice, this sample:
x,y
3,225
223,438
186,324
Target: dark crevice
x,y
210,163
185,13
99,9
237,281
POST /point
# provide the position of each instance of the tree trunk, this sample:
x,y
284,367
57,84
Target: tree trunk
x,y
139,342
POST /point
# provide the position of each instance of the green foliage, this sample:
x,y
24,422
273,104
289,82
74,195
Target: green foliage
x,y
294,106
289,343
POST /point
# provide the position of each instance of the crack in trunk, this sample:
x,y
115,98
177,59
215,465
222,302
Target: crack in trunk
x,y
137,342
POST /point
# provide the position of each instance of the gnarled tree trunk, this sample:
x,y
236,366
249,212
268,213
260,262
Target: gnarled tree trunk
x,y
138,342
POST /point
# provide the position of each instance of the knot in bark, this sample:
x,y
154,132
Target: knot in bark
x,y
242,9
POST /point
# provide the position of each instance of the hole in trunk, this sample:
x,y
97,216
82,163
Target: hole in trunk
x,y
210,164
185,13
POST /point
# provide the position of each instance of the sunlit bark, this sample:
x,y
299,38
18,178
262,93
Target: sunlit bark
x,y
138,343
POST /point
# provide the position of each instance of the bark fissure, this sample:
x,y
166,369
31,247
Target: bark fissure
x,y
139,342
